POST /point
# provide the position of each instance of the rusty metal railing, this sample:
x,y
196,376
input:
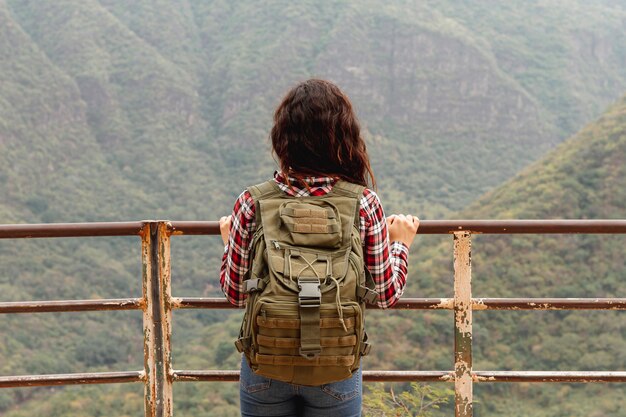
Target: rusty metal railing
x,y
157,305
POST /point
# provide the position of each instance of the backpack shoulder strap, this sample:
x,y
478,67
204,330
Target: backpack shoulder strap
x,y
348,189
262,191
355,191
366,292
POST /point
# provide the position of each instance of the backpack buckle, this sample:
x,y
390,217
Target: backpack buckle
x,y
365,347
242,344
368,295
310,354
309,299
253,284
310,294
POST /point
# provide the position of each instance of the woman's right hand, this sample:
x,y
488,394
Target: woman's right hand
x,y
402,228
225,222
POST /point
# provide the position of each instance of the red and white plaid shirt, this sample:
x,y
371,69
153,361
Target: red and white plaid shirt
x,y
387,263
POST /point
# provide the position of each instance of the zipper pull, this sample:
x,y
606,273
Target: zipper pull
x,y
276,245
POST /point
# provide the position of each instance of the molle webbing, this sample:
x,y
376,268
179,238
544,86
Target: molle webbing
x,y
306,213
290,342
300,361
309,218
311,227
280,323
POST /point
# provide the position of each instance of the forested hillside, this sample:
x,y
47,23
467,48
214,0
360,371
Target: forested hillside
x,y
172,95
111,110
582,179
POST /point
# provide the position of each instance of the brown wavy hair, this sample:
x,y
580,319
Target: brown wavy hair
x,y
316,132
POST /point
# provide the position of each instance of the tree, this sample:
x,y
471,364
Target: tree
x,y
419,401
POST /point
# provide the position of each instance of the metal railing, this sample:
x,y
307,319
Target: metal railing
x,y
157,305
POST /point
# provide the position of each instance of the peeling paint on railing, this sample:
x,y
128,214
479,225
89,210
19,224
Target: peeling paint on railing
x,y
463,324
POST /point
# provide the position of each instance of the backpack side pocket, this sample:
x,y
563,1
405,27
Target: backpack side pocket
x,y
255,281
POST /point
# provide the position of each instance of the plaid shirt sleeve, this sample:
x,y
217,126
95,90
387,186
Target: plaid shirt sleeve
x,y
235,261
387,263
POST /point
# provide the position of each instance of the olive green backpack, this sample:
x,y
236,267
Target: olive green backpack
x,y
306,286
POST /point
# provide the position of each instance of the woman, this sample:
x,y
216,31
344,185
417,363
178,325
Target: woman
x,y
316,138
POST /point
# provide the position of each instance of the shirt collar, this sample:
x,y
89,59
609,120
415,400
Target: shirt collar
x,y
316,185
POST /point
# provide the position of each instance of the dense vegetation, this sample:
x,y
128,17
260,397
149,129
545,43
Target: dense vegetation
x,y
582,178
118,111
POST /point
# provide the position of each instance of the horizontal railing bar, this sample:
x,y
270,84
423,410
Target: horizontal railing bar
x,y
213,375
549,304
71,379
451,226
212,228
221,303
408,376
372,376
71,305
12,231
541,376
448,303
433,376
404,304
523,226
195,228
210,303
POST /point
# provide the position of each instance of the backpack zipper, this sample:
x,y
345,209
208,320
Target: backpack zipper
x,y
282,245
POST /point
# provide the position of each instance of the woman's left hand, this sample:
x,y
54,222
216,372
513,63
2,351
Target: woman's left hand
x,y
225,228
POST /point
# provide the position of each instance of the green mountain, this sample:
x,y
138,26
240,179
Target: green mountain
x,y
160,109
171,96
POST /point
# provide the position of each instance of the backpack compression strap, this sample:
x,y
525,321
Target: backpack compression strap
x,y
368,292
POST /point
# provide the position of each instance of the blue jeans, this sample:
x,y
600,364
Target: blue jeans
x,y
261,397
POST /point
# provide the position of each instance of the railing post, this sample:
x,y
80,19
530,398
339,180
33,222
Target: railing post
x,y
157,318
463,324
